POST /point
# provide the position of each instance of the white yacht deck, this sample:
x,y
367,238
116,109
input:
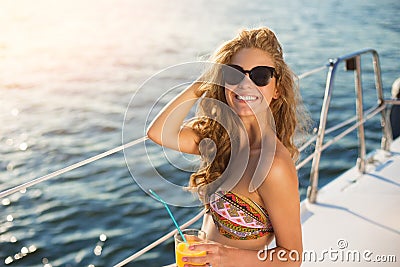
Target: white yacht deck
x,y
356,219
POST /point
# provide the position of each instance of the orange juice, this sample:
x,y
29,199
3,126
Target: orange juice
x,y
182,250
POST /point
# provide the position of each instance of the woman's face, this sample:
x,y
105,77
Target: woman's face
x,y
246,98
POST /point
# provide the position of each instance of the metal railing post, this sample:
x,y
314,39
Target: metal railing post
x,y
353,62
314,174
359,112
386,131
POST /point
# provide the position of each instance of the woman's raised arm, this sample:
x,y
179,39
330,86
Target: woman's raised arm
x,y
166,129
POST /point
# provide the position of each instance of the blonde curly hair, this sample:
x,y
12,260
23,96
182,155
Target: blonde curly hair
x,y
285,109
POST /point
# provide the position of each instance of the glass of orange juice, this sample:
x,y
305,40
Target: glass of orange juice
x,y
193,236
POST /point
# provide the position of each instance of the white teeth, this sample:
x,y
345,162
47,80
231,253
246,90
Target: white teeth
x,y
246,97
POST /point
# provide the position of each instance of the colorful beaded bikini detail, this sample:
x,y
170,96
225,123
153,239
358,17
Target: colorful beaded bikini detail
x,y
238,217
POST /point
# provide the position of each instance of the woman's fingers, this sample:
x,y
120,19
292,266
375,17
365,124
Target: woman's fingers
x,y
197,260
211,248
213,251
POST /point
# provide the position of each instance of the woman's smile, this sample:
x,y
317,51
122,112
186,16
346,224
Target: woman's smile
x,y
246,98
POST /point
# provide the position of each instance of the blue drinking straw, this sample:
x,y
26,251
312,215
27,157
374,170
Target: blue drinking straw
x,y
170,214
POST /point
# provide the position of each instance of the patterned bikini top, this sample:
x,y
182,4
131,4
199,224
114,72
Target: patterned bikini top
x,y
238,217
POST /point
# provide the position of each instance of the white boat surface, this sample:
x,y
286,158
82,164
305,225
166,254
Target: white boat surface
x,y
356,218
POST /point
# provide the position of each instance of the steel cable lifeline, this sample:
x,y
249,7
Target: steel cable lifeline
x,y
70,168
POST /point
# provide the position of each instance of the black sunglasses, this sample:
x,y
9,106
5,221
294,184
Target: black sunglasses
x,y
260,75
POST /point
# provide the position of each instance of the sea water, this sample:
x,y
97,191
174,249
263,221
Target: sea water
x,y
68,71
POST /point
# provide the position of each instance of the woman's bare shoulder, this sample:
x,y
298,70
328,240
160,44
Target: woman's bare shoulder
x,y
283,169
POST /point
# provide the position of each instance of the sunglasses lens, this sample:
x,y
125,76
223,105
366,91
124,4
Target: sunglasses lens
x,y
261,75
232,74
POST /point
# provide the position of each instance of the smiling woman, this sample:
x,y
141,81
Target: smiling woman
x,y
248,204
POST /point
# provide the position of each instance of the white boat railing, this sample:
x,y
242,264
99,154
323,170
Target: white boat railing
x,y
357,122
353,62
